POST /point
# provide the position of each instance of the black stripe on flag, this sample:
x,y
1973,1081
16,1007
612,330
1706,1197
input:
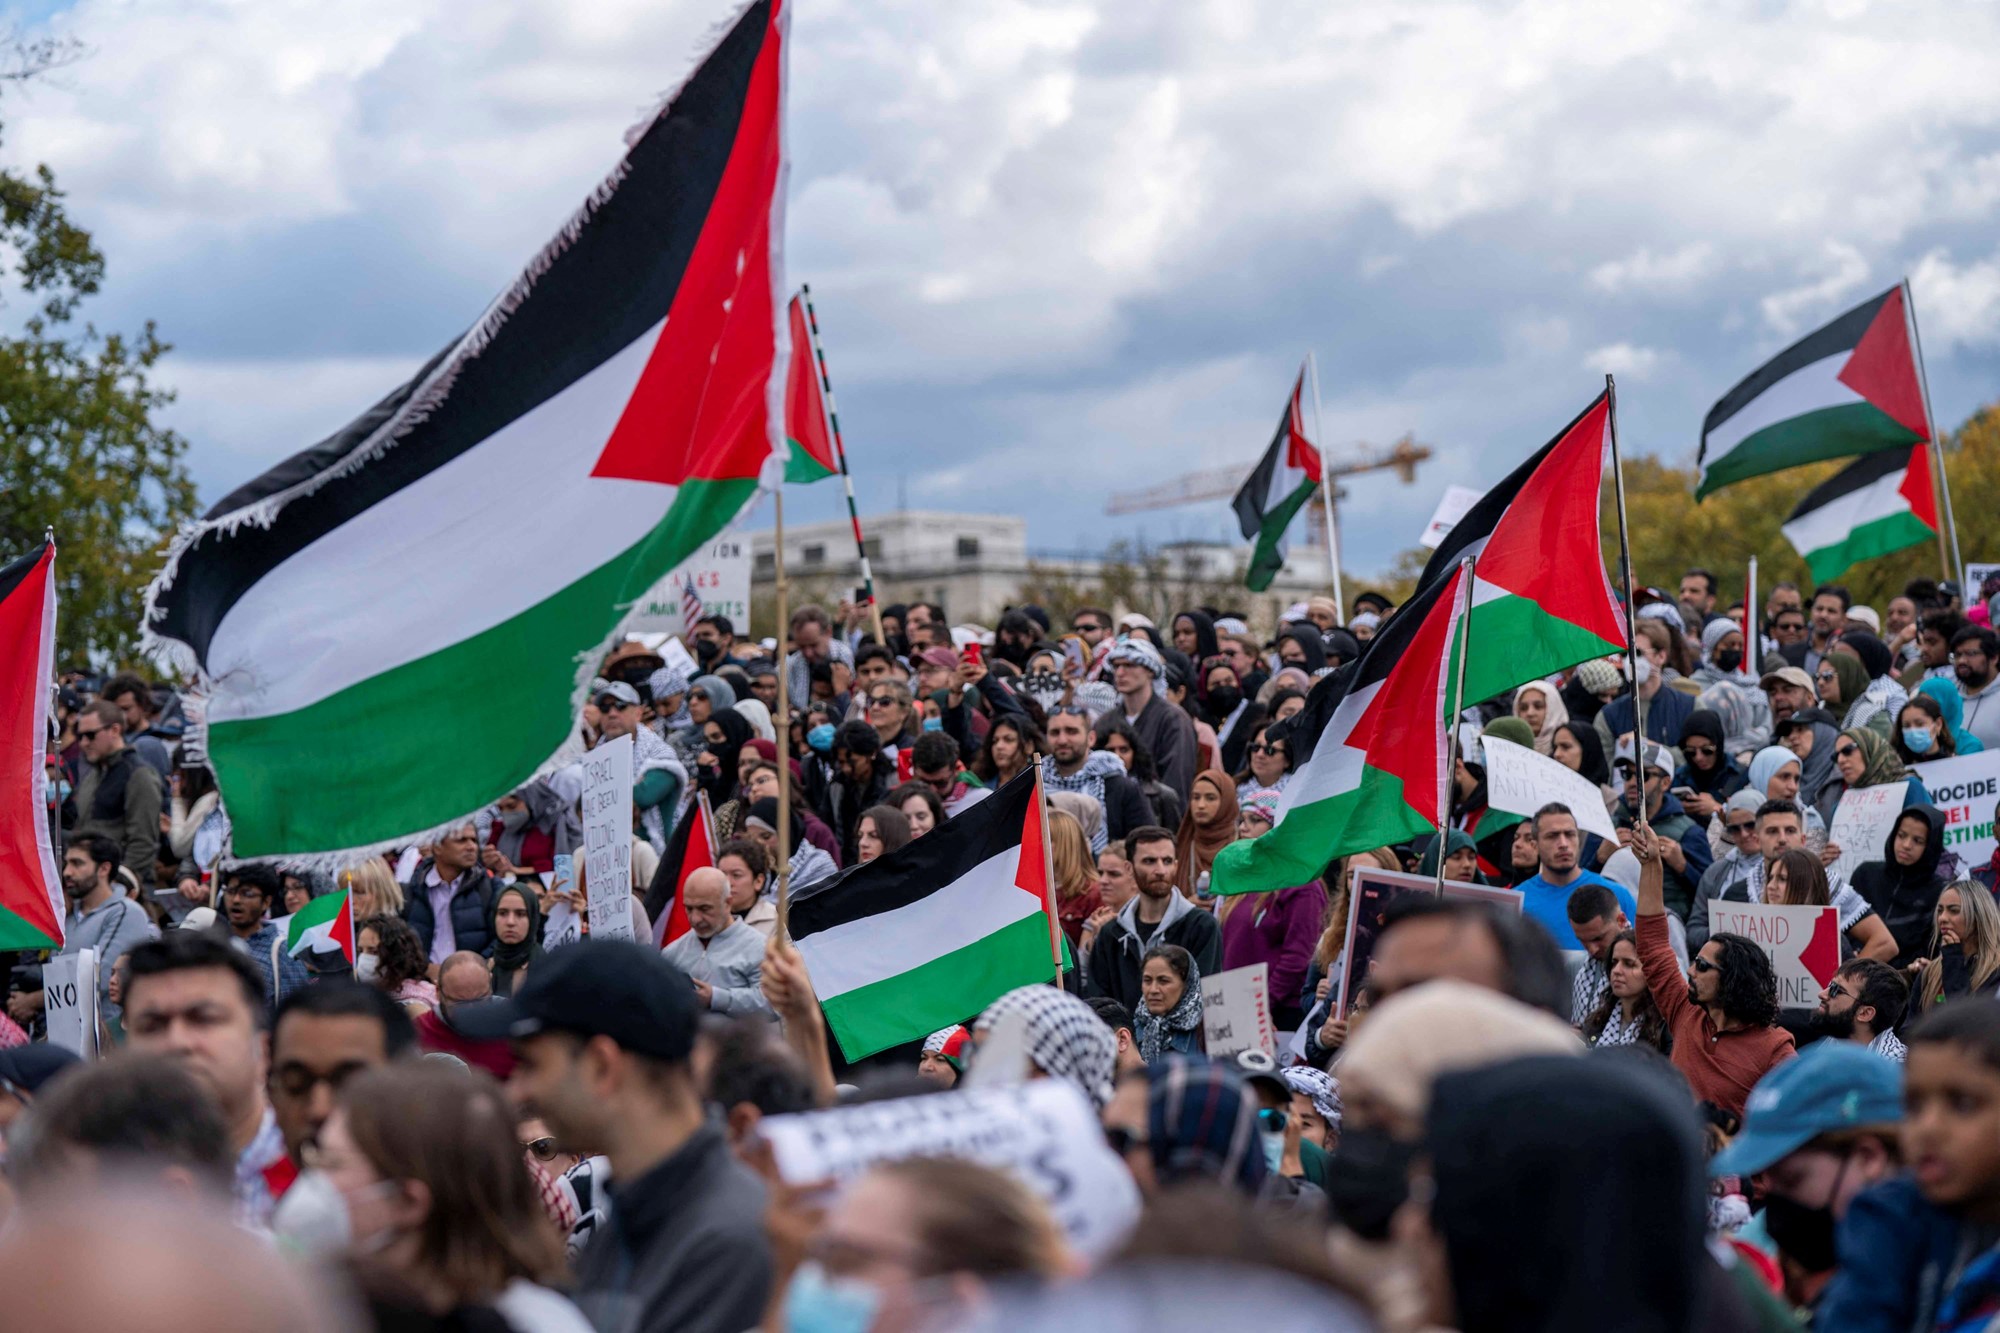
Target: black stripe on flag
x,y
1842,335
921,867
1254,499
12,574
1862,472
602,289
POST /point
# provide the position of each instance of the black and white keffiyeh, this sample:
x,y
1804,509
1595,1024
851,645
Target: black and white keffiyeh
x,y
1066,1038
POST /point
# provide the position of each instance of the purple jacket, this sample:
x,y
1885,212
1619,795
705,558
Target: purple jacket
x,y
1280,929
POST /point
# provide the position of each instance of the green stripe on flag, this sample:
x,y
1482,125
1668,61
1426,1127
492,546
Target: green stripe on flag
x,y
951,988
1265,561
321,911
1832,432
361,766
1373,814
802,468
1894,532
1515,641
17,933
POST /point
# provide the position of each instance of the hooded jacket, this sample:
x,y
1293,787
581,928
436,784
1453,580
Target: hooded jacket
x,y
1905,897
1113,969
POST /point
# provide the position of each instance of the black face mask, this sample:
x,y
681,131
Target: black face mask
x,y
1224,698
1803,1233
706,651
1729,659
1368,1180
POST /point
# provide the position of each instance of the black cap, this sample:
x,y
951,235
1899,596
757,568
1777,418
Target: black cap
x,y
29,1067
608,988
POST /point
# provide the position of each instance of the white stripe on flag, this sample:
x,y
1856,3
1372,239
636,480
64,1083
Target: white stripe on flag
x,y
1832,523
1810,388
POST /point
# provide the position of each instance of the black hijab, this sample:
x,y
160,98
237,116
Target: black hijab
x,y
510,959
1707,724
1587,740
737,732
1306,637
1205,643
765,811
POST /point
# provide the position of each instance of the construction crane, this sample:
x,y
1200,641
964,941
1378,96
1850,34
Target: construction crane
x,y
1220,483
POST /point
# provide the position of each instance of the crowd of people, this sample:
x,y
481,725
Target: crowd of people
x,y
1571,1102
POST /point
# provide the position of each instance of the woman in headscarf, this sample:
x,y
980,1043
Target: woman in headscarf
x,y
515,923
1881,694
536,826
1578,747
1951,706
1708,772
1461,858
1194,636
708,695
1084,809
1861,758
1236,715
726,733
1299,646
1168,1020
809,865
1540,705
1208,826
1775,772
1841,681
1904,886
760,719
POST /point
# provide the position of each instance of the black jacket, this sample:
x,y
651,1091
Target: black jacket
x,y
471,909
1117,954
1905,897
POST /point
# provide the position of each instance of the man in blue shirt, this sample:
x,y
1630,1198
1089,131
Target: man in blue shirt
x,y
1546,897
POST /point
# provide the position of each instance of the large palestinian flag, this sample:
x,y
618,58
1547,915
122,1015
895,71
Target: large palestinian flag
x,y
1879,503
1281,484
930,934
31,896
808,423
398,625
1848,388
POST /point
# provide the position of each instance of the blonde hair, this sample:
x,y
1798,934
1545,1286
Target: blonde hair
x,y
1069,851
1334,937
371,880
1981,936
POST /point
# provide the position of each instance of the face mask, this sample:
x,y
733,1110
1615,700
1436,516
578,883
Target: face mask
x,y
365,967
313,1219
933,724
1806,1234
1274,1149
1044,687
1729,659
1368,1181
1917,740
513,821
820,738
1224,698
817,1303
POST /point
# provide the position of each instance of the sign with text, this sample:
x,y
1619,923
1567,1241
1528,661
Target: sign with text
x,y
1861,824
607,838
1803,944
1236,1012
721,575
1965,788
1520,780
1043,1133
69,989
1975,578
1370,892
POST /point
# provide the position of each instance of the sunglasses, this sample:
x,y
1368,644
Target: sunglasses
x,y
1738,830
1846,751
83,735
1264,747
1835,991
1700,964
1086,629
542,1149
881,700
1825,675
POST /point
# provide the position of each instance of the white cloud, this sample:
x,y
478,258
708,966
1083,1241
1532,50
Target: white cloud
x,y
1956,304
1648,273
1842,271
1634,363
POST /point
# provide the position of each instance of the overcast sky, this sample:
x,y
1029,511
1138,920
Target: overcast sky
x,y
1060,249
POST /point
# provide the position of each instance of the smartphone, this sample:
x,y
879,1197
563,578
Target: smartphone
x,y
1683,793
1073,649
974,653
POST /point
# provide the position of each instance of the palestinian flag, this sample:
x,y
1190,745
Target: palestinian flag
x,y
1879,503
1375,735
808,427
932,933
1280,486
328,918
31,894
1541,599
1849,388
691,848
481,531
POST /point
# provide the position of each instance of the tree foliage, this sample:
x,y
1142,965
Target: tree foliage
x,y
81,451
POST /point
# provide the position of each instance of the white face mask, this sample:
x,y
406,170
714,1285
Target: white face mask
x,y
313,1219
365,967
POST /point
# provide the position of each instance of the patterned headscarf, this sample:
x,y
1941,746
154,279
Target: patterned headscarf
x,y
1880,763
1066,1038
1138,652
1153,1031
1318,1085
949,1043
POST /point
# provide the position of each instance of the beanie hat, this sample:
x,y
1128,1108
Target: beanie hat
x,y
1598,675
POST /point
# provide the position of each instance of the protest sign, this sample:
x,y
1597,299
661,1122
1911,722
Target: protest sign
x,y
1520,781
1803,944
720,572
563,926
1457,500
1236,1012
1370,891
1044,1133
1965,788
607,838
69,989
1861,825
1975,579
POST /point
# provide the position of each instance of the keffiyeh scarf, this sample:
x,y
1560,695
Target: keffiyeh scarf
x,y
1066,1038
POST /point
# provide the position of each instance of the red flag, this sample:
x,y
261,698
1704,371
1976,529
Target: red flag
x,y
699,854
31,897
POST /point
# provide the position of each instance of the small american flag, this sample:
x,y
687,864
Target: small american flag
x,y
690,604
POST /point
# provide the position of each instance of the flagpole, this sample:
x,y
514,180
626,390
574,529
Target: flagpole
x,y
1753,638
1954,564
1326,497
1625,559
840,452
1049,877
1455,705
783,724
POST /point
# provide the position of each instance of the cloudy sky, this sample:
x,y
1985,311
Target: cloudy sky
x,y
1065,248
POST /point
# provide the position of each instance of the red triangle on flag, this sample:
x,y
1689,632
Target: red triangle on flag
x,y
1918,489
1299,451
1402,730
341,929
805,404
1883,368
699,854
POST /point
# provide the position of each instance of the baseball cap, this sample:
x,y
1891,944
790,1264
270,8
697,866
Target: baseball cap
x,y
1790,675
597,988
1656,755
29,1067
1866,615
1257,1066
1831,1085
620,691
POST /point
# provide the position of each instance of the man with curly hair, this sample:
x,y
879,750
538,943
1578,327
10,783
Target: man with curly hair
x,y
1723,1010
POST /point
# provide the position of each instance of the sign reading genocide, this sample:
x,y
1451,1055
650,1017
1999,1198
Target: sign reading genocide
x,y
1965,788
607,838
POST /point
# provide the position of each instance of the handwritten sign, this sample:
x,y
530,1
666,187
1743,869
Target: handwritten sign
x,y
1236,1012
607,838
1803,944
1520,781
1861,825
1966,789
69,989
1044,1133
720,572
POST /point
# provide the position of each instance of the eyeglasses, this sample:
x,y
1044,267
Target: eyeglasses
x,y
242,891
1086,627
1701,964
542,1149
1835,991
1265,747
83,735
881,700
1846,751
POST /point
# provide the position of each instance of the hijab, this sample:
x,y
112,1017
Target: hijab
x,y
1873,654
1197,844
1557,712
510,959
1852,675
1205,643
1952,705
736,733
1587,740
1307,638
1708,725
548,812
760,718
1084,808
1880,763
1766,764
1457,840
721,694
765,812
1153,1032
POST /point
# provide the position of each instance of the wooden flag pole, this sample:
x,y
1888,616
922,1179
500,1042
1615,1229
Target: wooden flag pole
x,y
1454,705
1631,637
1954,563
1326,489
840,453
783,725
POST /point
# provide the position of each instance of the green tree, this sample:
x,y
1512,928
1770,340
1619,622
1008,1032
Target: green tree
x,y
81,451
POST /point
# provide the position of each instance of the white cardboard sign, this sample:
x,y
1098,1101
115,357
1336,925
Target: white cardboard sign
x,y
1521,780
1457,500
1236,1012
607,838
1966,788
1860,825
721,575
1044,1133
69,988
1803,944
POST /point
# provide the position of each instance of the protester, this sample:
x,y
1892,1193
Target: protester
x,y
1116,737
119,795
882,830
321,1037
1159,913
1075,887
1425,939
1545,897
1864,759
1169,1017
516,927
919,804
450,897
1964,949
1863,1004
1951,707
1208,827
464,983
748,870
944,1054
1625,1014
1596,917
390,958
809,864
1921,733
372,889
721,956
144,1121
1185,1120
100,917
1064,1036
1138,673
1540,705
1904,886
1280,929
249,894
25,1071
1710,775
